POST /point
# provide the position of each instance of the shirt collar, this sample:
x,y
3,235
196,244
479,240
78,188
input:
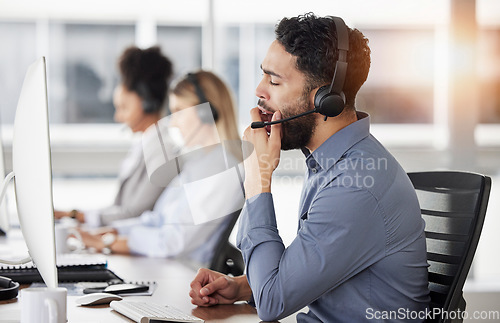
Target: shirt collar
x,y
332,150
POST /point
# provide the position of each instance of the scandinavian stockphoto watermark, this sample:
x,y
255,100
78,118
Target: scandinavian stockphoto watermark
x,y
195,163
350,171
430,314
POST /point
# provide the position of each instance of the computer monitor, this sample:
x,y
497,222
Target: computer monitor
x,y
31,164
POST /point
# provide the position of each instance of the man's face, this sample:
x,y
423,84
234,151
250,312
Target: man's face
x,y
283,88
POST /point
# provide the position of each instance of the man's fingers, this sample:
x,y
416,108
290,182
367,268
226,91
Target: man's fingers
x,y
211,300
195,287
246,134
252,133
275,136
200,300
219,283
197,299
255,114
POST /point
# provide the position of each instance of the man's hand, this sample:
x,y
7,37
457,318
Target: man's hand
x,y
260,165
210,288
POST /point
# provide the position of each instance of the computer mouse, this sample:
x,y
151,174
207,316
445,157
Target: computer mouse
x,y
97,299
125,288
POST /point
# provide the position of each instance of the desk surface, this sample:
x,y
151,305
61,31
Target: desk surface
x,y
173,278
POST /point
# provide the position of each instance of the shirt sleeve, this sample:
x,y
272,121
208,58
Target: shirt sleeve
x,y
341,235
167,230
92,218
106,216
125,226
173,227
166,241
170,240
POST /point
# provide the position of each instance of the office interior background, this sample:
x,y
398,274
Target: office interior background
x,y
433,91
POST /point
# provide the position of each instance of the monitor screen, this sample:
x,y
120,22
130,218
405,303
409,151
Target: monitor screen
x,y
31,163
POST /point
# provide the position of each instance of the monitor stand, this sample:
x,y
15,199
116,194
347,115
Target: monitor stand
x,y
3,189
5,183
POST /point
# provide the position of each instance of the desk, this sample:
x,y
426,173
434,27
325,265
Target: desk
x,y
173,278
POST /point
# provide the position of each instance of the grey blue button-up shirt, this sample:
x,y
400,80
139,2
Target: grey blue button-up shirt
x,y
359,254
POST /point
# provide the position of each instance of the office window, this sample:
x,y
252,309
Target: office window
x,y
18,52
228,63
239,51
489,76
182,44
83,70
399,88
227,57
400,84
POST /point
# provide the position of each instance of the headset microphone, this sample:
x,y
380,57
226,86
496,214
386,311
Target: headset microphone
x,y
262,124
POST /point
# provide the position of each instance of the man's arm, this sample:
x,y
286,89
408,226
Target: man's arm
x,y
340,224
339,237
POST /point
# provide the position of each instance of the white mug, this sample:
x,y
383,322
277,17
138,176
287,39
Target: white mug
x,y
43,305
64,244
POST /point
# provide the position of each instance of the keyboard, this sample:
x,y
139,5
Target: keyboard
x,y
142,312
66,274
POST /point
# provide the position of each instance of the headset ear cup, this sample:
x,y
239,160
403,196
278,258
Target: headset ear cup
x,y
332,105
207,117
215,114
328,104
149,106
319,96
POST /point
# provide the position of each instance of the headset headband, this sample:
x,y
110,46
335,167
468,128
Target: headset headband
x,y
206,117
341,65
199,92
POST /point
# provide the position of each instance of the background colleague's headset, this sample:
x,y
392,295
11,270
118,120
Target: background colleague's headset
x,y
8,288
149,103
204,114
329,100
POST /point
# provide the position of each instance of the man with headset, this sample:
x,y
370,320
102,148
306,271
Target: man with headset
x,y
360,249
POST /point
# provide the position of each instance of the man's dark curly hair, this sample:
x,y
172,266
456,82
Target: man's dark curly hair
x,y
146,72
313,41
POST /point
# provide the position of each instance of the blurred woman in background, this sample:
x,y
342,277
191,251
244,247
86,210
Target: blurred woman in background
x,y
139,101
191,214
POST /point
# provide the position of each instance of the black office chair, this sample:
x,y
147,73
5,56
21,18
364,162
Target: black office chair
x,y
453,205
227,258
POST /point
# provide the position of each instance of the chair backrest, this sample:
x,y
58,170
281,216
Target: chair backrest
x,y
453,205
227,258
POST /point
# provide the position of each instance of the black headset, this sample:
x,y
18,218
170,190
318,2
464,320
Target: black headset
x,y
203,114
149,103
329,100
8,288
